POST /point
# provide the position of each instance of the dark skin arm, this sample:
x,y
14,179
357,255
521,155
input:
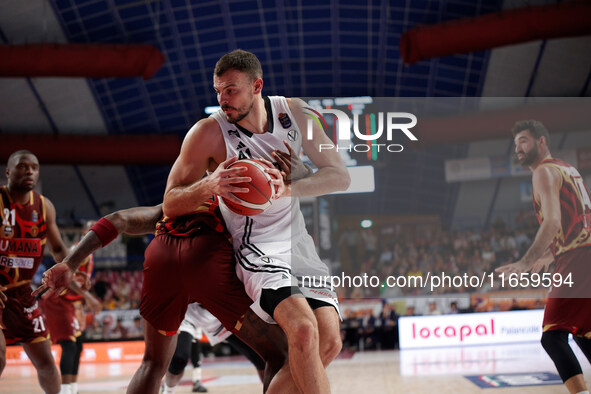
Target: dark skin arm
x,y
136,221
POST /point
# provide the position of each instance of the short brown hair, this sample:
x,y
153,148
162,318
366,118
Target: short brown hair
x,y
535,127
239,60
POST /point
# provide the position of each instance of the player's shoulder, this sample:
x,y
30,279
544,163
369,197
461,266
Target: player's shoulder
x,y
206,130
546,173
295,103
205,126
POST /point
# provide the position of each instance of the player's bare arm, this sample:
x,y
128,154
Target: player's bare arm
x,y
547,183
2,297
92,303
136,221
203,149
543,263
291,166
332,175
58,248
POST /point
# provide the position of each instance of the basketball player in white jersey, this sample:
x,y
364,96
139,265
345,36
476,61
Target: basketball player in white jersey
x,y
273,248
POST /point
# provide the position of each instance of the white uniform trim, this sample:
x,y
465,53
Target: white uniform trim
x,y
198,319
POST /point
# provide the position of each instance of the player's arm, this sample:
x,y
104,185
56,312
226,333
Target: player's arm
x,y
332,175
547,182
138,220
94,304
291,166
186,188
58,248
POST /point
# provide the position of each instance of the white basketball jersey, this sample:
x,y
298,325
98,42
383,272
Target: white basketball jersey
x,y
273,231
275,224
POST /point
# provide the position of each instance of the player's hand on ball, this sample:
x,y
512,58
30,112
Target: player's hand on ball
x,y
278,179
222,181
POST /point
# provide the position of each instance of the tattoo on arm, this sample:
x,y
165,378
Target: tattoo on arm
x,y
83,249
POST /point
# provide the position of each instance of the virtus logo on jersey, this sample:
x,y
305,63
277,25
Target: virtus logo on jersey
x,y
389,121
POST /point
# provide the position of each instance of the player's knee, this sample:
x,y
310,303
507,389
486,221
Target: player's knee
x,y
303,333
552,341
152,365
178,364
67,360
556,345
330,348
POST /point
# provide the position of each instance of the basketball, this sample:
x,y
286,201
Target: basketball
x,y
261,192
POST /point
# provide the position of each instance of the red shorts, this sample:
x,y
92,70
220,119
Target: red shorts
x,y
22,320
569,307
181,270
60,316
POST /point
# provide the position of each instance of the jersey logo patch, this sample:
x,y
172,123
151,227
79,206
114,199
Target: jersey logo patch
x,y
284,120
7,231
35,216
234,133
292,135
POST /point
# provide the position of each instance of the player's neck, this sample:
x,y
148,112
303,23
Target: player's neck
x,y
256,120
539,161
20,197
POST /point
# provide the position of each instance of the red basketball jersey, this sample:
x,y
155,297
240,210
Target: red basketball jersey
x,y
575,207
185,226
23,234
86,267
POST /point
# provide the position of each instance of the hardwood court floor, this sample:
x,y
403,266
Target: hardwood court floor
x,y
408,371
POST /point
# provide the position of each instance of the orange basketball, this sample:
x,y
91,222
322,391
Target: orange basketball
x,y
261,192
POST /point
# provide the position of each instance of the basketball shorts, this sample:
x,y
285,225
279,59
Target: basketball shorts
x,y
182,270
274,266
569,307
60,316
21,319
199,319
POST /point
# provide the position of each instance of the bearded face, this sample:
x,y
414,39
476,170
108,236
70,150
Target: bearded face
x,y
527,158
236,114
235,94
527,150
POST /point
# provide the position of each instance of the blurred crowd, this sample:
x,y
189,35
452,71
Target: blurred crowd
x,y
391,251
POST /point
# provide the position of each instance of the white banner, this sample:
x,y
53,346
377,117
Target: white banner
x,y
470,329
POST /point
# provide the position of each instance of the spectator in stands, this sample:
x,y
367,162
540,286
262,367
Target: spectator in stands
x,y
388,326
368,332
350,330
350,238
453,308
410,311
432,311
136,330
369,243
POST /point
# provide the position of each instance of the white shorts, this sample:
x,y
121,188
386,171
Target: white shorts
x,y
265,266
198,320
